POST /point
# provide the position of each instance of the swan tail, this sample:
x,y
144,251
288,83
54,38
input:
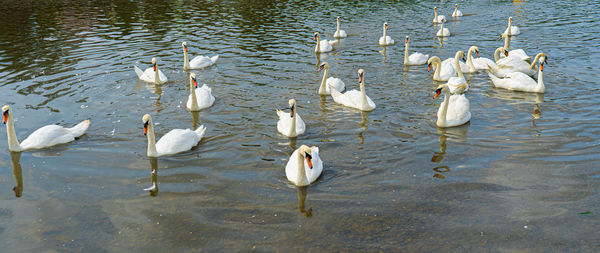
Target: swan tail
x,y
80,128
138,71
214,59
200,131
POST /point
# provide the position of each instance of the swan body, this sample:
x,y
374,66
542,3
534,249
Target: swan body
x,y
437,18
173,142
304,166
323,46
520,53
463,66
443,70
328,83
151,75
353,98
199,98
478,63
521,82
516,64
385,40
511,30
443,32
455,110
44,137
290,125
458,84
339,33
198,62
415,58
457,12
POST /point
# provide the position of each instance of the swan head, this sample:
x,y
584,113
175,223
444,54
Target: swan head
x,y
292,104
542,59
475,49
306,152
460,54
510,19
385,26
361,76
323,65
147,120
432,59
193,80
184,45
441,88
407,38
154,63
5,112
443,20
316,36
435,9
455,6
338,18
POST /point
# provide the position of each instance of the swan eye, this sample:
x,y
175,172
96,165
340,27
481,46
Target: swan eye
x,y
308,155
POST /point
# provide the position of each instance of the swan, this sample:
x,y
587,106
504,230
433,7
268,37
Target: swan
x,y
304,166
329,82
443,71
151,75
415,58
353,98
479,63
44,137
175,141
290,125
323,46
385,40
199,98
457,12
455,110
443,32
521,82
437,18
511,30
515,64
516,52
339,33
458,84
198,62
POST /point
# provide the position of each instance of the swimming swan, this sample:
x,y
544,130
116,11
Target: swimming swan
x,y
151,75
175,141
322,46
385,40
328,83
353,98
290,125
443,71
437,18
339,33
478,63
304,166
457,12
415,58
199,98
455,110
521,82
198,62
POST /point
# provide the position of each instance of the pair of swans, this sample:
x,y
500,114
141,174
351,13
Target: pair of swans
x,y
290,125
511,64
44,137
415,58
199,98
520,81
328,83
151,75
511,30
455,110
175,141
354,98
198,62
304,166
339,33
385,39
447,69
323,46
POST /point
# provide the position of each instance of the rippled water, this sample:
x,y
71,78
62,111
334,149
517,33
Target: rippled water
x,y
513,179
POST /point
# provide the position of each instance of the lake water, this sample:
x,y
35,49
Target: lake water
x,y
513,179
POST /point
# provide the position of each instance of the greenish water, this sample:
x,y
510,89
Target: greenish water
x,y
513,179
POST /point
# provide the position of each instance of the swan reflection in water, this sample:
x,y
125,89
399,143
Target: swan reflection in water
x,y
301,202
457,133
15,158
537,113
382,52
154,88
153,190
363,124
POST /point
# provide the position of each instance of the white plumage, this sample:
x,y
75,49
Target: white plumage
x,y
415,58
199,98
385,40
328,83
198,62
151,75
288,120
175,141
323,46
298,169
354,98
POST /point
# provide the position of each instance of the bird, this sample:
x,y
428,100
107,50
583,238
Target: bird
x,y
456,82
455,110
323,46
519,81
339,33
199,98
443,70
43,137
385,40
353,98
437,18
443,32
457,12
511,30
175,141
290,125
329,82
516,64
151,75
198,62
304,166
515,52
478,63
415,58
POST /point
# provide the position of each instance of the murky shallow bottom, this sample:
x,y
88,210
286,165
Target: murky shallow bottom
x,y
513,179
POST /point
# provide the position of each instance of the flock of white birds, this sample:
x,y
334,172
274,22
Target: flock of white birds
x,y
510,69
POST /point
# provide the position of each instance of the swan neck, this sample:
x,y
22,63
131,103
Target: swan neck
x,y
437,64
318,48
457,65
508,31
301,171
507,41
186,63
470,59
13,142
338,27
194,105
323,87
151,141
540,83
537,57
156,76
406,53
442,119
293,125
363,95
384,36
496,53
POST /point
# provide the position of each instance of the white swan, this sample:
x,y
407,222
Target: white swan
x,y
290,125
353,98
44,137
175,141
339,33
479,63
323,46
457,12
511,30
385,40
198,62
515,64
443,32
437,18
458,84
199,98
521,82
443,71
415,58
328,83
304,166
455,110
151,75
516,52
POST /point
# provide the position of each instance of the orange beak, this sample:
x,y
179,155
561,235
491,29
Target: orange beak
x,y
315,38
477,53
309,162
360,78
292,111
386,27
437,93
154,67
145,128
4,117
542,67
429,67
185,49
195,83
406,40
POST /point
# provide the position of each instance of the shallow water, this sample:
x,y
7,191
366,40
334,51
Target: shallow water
x,y
513,179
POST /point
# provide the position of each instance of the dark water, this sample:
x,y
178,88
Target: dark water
x,y
511,180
